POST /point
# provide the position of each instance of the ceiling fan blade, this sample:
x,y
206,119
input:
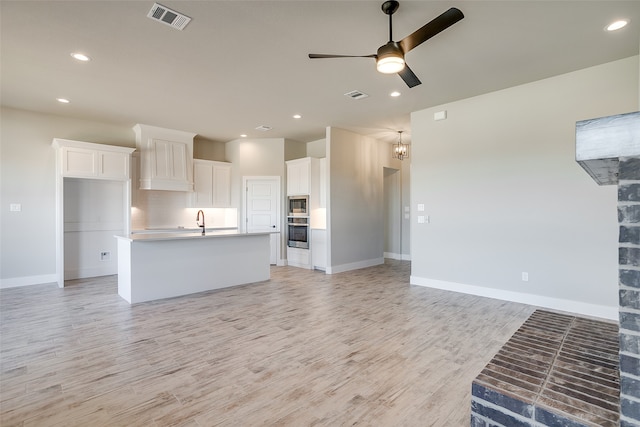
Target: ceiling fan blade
x,y
322,55
438,24
409,77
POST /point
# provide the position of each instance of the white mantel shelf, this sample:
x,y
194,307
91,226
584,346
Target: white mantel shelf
x,y
165,265
601,142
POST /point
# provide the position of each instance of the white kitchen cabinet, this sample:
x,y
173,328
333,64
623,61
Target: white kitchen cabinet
x,y
319,249
165,158
211,184
299,177
298,257
97,161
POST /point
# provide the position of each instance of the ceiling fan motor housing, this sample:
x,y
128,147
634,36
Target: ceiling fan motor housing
x,y
390,58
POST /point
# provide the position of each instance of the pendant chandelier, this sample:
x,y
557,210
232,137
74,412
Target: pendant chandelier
x,y
400,150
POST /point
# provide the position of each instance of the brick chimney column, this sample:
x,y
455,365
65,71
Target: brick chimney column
x,y
629,281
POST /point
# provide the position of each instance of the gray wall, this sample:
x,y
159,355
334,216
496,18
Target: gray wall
x,y
27,176
317,148
258,157
504,194
355,222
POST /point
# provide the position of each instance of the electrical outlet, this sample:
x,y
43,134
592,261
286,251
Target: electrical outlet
x,y
525,276
105,256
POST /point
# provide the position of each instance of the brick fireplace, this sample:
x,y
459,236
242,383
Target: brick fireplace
x,y
561,370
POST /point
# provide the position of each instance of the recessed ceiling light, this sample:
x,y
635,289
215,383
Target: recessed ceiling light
x,y
62,100
244,135
80,57
297,116
616,25
394,94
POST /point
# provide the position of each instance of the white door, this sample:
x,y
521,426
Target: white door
x,y
262,209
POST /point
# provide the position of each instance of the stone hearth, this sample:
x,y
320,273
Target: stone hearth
x,y
556,370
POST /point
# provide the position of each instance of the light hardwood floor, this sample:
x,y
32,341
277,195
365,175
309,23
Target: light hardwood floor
x,y
304,348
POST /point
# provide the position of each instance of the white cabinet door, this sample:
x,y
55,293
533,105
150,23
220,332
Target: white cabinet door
x,y
298,177
91,163
79,162
221,185
319,249
113,165
211,184
202,184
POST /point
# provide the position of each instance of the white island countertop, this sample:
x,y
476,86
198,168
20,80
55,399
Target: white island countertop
x,y
164,265
141,237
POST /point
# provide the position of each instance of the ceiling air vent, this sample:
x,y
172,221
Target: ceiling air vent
x,y
356,94
169,17
264,128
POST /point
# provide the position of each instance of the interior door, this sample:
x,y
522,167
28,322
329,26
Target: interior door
x,y
262,210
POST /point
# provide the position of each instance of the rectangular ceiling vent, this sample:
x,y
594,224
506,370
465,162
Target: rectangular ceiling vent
x,y
264,128
356,94
168,17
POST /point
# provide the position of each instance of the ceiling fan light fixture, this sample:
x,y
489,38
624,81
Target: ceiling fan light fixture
x,y
390,64
390,58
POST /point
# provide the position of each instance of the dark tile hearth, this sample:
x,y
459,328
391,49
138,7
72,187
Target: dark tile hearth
x,y
556,370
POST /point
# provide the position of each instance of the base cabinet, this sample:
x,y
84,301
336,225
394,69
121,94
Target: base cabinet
x,y
319,249
297,257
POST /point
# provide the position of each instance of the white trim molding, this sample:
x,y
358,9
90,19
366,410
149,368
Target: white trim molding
x,y
401,257
577,307
354,265
15,282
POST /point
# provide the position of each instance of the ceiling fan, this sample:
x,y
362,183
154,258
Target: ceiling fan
x,y
390,57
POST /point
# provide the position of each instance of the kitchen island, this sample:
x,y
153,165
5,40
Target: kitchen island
x,y
153,266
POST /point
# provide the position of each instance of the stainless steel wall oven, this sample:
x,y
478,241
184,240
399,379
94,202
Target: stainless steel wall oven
x,y
298,232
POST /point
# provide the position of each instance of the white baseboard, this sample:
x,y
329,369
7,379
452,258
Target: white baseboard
x,y
15,282
577,307
354,265
83,273
401,257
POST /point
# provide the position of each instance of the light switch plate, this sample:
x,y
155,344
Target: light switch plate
x,y
15,207
420,207
420,219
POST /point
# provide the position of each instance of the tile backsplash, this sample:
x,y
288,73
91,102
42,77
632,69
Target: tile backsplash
x,y
169,209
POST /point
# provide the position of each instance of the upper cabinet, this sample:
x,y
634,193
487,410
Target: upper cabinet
x,y
212,184
79,159
299,176
165,158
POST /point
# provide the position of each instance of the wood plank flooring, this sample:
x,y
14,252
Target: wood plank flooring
x,y
302,349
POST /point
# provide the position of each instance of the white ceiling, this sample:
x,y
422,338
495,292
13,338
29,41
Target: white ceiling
x,y
241,64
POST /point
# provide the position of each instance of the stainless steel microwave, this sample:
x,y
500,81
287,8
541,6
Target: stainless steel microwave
x,y
298,205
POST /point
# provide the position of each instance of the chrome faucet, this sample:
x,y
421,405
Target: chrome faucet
x,y
198,220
